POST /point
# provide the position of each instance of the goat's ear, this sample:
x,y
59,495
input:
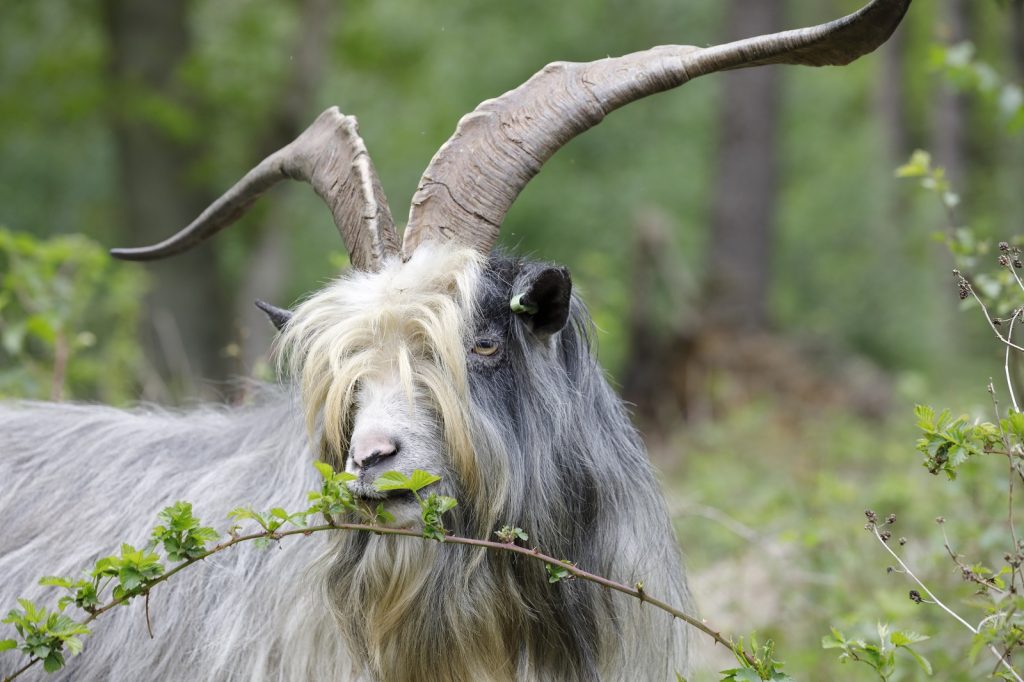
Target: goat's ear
x,y
541,299
279,317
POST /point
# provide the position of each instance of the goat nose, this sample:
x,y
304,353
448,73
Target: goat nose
x,y
369,452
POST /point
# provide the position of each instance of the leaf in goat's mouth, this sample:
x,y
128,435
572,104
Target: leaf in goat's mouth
x,y
372,494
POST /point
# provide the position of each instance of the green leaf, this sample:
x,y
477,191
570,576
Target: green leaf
x,y
509,534
6,644
381,515
921,660
73,645
392,480
919,165
421,479
444,503
242,513
831,642
557,572
903,638
130,578
325,469
53,662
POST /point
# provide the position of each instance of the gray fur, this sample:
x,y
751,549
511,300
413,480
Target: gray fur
x,y
79,479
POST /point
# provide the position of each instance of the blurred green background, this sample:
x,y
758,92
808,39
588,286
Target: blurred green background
x,y
768,296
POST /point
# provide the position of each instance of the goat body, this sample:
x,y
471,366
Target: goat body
x,y
352,606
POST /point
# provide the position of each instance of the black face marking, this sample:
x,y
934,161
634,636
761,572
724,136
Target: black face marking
x,y
494,319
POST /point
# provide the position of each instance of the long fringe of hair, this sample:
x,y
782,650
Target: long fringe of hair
x,y
543,444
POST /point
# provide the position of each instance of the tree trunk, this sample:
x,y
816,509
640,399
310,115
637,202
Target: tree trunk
x,y
1017,36
952,143
266,276
743,212
184,326
891,102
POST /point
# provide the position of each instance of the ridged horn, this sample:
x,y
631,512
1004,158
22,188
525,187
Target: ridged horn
x,y
329,155
497,149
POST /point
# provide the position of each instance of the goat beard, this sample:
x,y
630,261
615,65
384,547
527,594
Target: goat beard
x,y
409,614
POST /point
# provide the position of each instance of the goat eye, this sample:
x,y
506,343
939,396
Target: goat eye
x,y
485,347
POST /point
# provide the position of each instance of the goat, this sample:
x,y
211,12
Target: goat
x,y
434,353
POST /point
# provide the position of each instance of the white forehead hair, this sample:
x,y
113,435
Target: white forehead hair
x,y
410,320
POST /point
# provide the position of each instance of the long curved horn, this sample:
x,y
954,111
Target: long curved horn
x,y
331,156
497,149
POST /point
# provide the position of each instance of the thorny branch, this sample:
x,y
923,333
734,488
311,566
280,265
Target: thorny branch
x,y
1013,468
637,591
938,602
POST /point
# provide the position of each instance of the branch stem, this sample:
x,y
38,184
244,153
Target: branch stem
x,y
535,554
941,605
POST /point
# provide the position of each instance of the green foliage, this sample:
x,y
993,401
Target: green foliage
x,y
764,667
117,579
393,480
960,65
132,570
558,572
84,592
948,442
269,521
933,178
880,656
509,534
1003,625
45,634
182,537
431,509
334,496
68,314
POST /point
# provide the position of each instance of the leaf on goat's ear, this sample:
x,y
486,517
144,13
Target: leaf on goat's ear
x,y
520,305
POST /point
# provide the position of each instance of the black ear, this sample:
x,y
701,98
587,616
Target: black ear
x,y
278,316
541,298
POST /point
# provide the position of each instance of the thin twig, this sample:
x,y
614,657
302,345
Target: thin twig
x,y
1006,362
637,592
938,602
988,318
149,623
1013,271
22,669
966,570
1009,458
